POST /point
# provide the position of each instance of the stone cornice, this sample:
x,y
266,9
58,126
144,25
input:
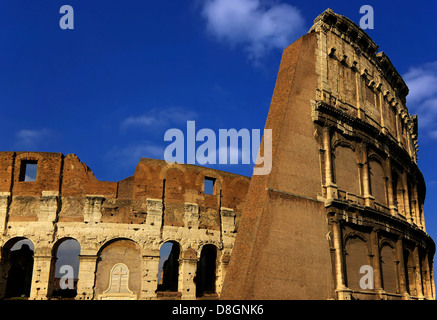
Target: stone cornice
x,y
350,32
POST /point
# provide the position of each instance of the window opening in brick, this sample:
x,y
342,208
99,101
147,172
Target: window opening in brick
x,y
28,170
209,185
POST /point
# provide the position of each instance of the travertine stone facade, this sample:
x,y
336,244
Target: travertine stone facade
x,y
120,226
345,190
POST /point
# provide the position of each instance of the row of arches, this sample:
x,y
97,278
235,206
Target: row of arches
x,y
365,175
399,269
17,261
116,258
168,276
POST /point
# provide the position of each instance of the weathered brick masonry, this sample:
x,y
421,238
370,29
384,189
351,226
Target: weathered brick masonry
x,y
117,222
345,192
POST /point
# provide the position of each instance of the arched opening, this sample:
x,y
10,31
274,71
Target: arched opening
x,y
398,193
377,181
388,269
206,271
346,170
168,274
356,257
113,253
66,252
410,270
18,267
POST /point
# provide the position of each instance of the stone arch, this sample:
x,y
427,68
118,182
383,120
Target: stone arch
x,y
112,252
16,267
356,256
168,273
66,253
378,179
398,191
346,167
166,168
410,271
342,143
389,274
206,274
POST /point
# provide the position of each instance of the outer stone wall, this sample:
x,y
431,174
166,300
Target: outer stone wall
x,y
345,191
122,222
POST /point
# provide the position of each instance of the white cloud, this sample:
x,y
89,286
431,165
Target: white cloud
x,y
31,139
158,118
422,99
130,155
422,82
253,24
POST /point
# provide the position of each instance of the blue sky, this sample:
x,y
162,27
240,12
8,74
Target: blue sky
x,y
129,70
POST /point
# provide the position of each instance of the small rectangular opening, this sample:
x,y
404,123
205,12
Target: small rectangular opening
x,y
28,170
209,185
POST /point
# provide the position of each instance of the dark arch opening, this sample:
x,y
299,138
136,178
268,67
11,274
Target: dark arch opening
x,y
168,275
206,271
66,271
19,266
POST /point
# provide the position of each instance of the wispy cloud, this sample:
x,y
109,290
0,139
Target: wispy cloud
x,y
31,138
253,24
158,118
130,155
422,99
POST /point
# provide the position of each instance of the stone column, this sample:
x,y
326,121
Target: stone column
x,y
191,215
48,210
343,293
366,179
407,199
391,200
376,262
42,276
422,216
154,216
418,273
398,131
401,270
149,278
187,272
4,207
331,187
92,210
426,276
87,274
417,208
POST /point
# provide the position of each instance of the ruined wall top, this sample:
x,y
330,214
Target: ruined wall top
x,y
362,83
360,40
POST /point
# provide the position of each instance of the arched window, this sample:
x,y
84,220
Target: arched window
x,y
356,257
206,271
66,270
118,251
410,272
19,267
377,182
168,275
388,269
398,193
346,170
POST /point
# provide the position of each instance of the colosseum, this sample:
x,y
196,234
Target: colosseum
x,y
342,203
